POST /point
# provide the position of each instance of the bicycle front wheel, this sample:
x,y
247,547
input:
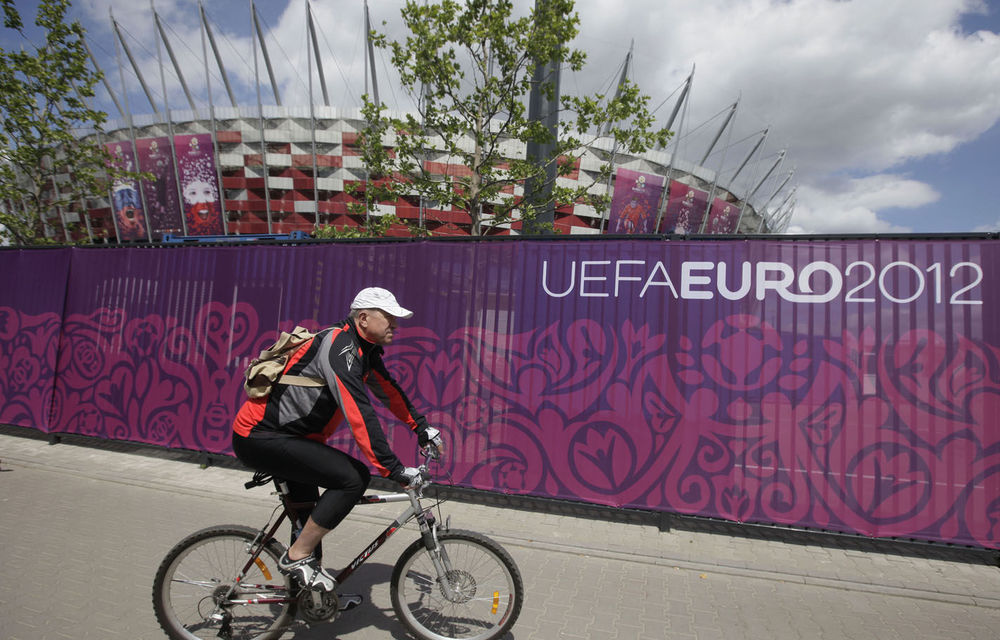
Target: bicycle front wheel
x,y
484,595
197,591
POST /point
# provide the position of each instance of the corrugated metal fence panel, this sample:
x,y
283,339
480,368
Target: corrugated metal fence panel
x,y
851,385
32,291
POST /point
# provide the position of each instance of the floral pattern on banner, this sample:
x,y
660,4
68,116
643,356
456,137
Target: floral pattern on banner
x,y
152,380
744,423
27,367
879,436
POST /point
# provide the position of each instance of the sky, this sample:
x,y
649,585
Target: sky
x,y
886,110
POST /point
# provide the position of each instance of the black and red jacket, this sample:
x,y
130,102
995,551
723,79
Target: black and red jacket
x,y
352,367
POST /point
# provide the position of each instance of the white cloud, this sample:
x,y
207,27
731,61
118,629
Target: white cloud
x,y
989,227
845,86
852,206
859,84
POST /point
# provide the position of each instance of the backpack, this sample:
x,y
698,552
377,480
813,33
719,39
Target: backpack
x,y
266,370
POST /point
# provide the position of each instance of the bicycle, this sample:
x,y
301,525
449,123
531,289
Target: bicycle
x,y
223,581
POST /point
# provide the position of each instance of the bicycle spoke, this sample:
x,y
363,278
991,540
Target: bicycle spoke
x,y
478,598
197,591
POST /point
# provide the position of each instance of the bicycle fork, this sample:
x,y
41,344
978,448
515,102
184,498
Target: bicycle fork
x,y
439,556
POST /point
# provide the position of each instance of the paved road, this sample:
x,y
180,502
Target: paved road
x,y
83,528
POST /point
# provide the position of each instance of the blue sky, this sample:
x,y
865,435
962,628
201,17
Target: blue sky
x,y
887,109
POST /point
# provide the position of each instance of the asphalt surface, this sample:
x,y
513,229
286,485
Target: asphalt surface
x,y
84,525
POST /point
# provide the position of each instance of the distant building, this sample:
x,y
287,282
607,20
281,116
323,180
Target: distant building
x,y
217,177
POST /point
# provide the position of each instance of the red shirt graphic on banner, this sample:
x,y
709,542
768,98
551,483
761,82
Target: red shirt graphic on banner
x,y
633,207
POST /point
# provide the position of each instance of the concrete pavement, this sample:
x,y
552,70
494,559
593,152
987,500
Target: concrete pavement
x,y
83,526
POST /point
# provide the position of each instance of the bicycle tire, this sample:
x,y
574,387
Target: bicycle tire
x,y
201,568
488,582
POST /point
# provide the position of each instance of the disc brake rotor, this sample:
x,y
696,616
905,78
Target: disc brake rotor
x,y
463,586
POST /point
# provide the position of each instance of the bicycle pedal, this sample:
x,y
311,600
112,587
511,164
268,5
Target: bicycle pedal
x,y
349,601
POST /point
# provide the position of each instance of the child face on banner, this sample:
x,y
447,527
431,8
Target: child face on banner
x,y
127,211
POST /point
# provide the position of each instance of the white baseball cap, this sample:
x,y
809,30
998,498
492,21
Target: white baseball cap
x,y
379,298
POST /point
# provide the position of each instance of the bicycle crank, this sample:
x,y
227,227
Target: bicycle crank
x,y
318,606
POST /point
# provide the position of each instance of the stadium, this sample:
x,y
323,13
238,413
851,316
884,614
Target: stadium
x,y
250,169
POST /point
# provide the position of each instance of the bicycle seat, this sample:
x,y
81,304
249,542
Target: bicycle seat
x,y
259,480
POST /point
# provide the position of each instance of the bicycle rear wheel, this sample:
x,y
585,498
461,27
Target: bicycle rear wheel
x,y
487,590
195,576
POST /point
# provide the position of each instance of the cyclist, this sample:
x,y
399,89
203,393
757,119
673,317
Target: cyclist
x,y
285,432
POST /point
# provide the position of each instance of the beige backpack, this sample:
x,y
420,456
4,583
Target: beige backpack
x,y
265,370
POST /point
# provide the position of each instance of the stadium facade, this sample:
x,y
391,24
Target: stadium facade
x,y
269,169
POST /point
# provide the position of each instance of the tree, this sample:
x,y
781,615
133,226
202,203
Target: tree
x,y
44,92
469,67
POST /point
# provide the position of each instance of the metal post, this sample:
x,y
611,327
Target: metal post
x,y
173,59
104,78
59,209
729,118
312,118
260,119
131,132
170,121
543,106
673,154
263,50
211,115
218,58
371,56
135,67
681,100
319,60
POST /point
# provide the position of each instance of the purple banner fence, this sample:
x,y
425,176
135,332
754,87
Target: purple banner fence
x,y
849,385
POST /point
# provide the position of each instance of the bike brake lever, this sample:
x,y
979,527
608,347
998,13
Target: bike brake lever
x,y
430,452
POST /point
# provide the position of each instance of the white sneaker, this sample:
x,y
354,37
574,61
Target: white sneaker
x,y
308,572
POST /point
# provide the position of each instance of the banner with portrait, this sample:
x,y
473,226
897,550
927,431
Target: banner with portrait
x,y
635,202
723,217
199,184
685,209
126,202
162,203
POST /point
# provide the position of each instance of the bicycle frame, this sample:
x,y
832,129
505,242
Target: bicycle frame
x,y
425,519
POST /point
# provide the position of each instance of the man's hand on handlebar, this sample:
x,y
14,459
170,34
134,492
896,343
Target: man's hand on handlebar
x,y
413,477
431,443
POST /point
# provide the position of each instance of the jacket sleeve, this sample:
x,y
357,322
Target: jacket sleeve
x,y
344,375
385,388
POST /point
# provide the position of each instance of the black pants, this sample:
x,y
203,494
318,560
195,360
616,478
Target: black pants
x,y
306,465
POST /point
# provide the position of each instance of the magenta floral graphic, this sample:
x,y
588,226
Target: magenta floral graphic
x,y
152,380
878,434
27,367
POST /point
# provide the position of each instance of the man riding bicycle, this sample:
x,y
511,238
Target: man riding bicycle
x,y
285,432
